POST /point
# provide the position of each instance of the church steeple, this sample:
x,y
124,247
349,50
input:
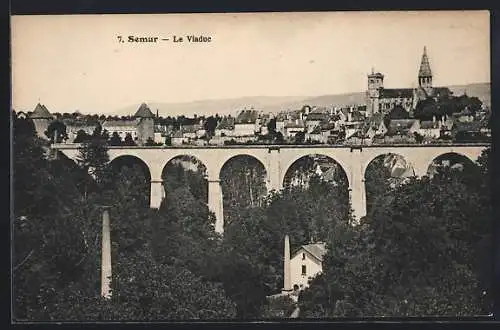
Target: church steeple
x,y
425,73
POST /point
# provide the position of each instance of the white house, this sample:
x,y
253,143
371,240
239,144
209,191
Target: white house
x,y
431,129
306,263
245,123
122,127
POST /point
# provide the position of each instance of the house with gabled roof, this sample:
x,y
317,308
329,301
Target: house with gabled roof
x,y
315,117
225,127
245,123
305,263
430,128
374,126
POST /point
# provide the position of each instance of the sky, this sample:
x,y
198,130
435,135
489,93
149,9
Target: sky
x,y
75,62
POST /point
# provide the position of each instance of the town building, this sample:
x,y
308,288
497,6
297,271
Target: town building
x,y
245,123
305,263
41,118
380,99
301,266
430,128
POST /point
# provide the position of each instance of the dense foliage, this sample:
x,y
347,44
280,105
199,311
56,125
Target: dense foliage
x,y
57,229
422,250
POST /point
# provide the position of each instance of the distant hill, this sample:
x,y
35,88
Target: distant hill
x,y
480,90
279,103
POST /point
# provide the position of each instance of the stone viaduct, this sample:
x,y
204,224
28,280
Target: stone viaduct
x,y
277,160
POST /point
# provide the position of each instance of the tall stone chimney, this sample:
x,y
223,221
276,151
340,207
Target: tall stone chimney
x,y
106,257
287,285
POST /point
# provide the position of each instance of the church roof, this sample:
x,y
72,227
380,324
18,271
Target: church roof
x,y
425,68
144,112
41,112
393,93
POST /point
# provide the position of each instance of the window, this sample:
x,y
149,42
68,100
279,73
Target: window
x,y
303,256
304,270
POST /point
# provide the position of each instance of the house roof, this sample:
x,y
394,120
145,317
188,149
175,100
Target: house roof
x,y
325,125
429,124
119,122
191,128
473,126
393,93
400,126
177,134
407,123
40,112
317,116
247,117
226,123
375,75
317,250
373,122
144,112
361,107
357,116
295,124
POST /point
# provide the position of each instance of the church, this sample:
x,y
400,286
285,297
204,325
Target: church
x,y
380,99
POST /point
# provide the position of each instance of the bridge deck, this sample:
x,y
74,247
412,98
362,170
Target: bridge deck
x,y
285,146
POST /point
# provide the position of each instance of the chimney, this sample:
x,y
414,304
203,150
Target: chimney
x,y
349,116
287,286
157,116
106,257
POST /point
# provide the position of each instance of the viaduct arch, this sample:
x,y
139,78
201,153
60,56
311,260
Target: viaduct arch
x,y
354,160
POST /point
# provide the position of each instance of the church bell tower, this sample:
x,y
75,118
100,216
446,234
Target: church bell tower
x,y
425,74
375,84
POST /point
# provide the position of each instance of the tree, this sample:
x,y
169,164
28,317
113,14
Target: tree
x,y
209,125
93,155
115,140
271,126
398,112
56,131
168,140
129,141
81,136
370,270
419,138
23,128
300,137
279,138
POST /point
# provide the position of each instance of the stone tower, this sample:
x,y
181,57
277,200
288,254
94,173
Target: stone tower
x,y
145,124
287,285
41,118
375,83
425,74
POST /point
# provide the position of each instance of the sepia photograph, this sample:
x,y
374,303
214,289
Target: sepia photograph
x,y
251,166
